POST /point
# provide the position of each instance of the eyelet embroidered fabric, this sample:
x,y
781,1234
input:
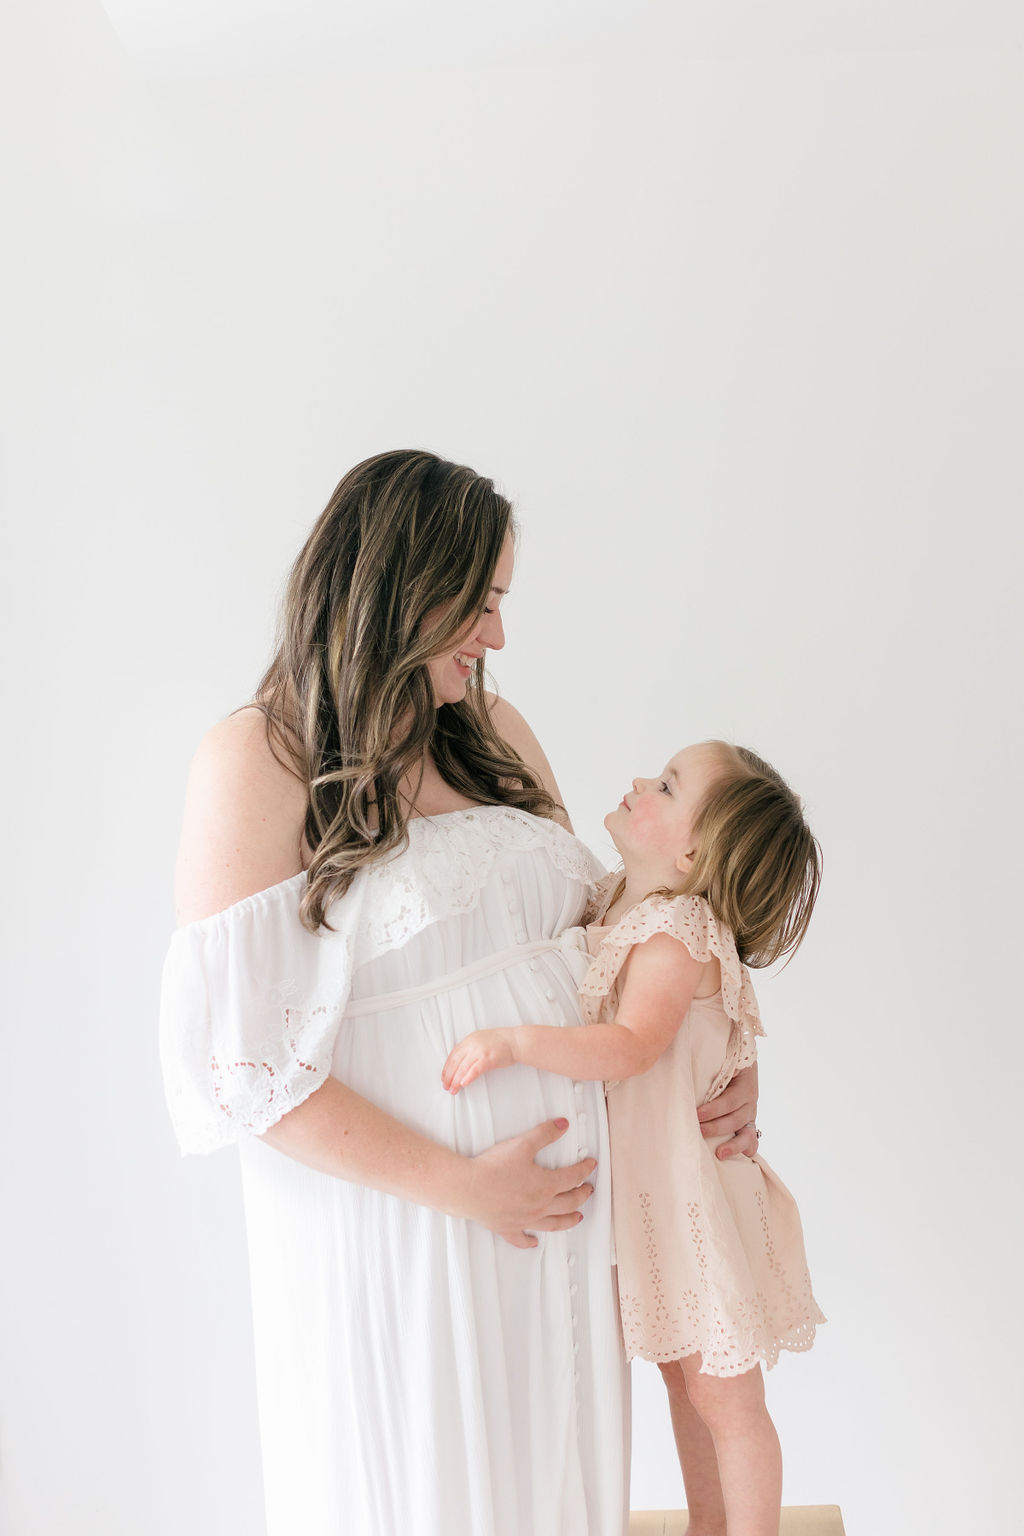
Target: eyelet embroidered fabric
x,y
710,1253
691,920
252,1002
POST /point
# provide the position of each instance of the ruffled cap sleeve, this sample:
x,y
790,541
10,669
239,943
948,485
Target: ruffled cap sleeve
x,y
251,1003
691,920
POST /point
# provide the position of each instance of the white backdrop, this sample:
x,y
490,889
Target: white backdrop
x,y
741,333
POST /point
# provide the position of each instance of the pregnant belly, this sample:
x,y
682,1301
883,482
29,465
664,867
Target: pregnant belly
x,y
394,1057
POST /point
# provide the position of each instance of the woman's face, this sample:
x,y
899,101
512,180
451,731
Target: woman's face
x,y
451,671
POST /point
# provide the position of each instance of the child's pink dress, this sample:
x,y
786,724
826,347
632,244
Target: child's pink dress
x,y
710,1253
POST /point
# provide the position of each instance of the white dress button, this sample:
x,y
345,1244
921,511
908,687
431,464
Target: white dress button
x,y
573,1288
534,965
549,993
513,906
572,1260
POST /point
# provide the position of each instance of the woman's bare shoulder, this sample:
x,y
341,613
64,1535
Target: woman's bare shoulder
x,y
511,726
245,810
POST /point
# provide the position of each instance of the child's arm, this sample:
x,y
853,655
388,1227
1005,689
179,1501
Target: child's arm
x,y
659,981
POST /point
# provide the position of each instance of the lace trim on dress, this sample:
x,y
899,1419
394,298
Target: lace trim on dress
x,y
690,919
731,1334
446,864
600,897
252,1001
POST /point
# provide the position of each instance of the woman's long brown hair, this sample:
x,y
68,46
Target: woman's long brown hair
x,y
347,696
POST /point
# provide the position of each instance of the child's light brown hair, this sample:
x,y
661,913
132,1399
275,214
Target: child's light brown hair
x,y
756,864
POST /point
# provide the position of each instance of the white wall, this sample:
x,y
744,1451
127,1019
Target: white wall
x,y
742,336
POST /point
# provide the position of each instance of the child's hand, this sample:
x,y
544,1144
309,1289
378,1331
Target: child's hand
x,y
480,1052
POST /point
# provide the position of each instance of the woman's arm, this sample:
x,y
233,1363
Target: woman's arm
x,y
242,833
338,1132
659,981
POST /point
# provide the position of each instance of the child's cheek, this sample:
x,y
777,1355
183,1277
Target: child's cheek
x,y
642,824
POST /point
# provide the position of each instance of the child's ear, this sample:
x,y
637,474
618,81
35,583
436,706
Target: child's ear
x,y
684,863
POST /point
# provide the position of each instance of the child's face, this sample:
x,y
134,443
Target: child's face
x,y
652,827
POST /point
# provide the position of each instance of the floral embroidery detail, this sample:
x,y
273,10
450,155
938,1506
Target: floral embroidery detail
x,y
448,861
696,1275
754,1330
252,1001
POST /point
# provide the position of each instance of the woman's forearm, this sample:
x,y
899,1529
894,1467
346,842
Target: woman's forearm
x,y
338,1132
504,1188
593,1052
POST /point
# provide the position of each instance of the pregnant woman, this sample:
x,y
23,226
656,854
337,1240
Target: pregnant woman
x,y
374,863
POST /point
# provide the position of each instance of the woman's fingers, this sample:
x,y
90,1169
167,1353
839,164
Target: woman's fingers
x,y
542,1224
728,1125
519,1239
571,1199
573,1176
733,1107
731,1116
743,1144
557,1223
727,1113
543,1135
512,1192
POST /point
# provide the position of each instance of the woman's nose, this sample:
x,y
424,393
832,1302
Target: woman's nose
x,y
491,631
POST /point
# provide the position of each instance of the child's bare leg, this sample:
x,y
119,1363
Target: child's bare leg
x,y
746,1446
696,1457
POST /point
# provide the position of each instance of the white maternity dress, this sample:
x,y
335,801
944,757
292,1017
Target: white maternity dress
x,y
417,1375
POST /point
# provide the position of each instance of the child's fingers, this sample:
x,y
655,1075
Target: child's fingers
x,y
450,1070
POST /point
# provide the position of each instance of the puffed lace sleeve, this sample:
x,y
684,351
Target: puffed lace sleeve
x,y
251,1003
691,920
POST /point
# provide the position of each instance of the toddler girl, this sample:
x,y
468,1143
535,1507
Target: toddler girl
x,y
719,872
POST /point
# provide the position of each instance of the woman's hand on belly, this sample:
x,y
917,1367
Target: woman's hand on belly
x,y
510,1194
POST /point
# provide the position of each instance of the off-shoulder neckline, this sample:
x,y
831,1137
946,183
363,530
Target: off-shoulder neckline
x,y
280,886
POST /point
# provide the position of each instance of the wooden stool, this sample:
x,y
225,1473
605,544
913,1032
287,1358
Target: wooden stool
x,y
808,1520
